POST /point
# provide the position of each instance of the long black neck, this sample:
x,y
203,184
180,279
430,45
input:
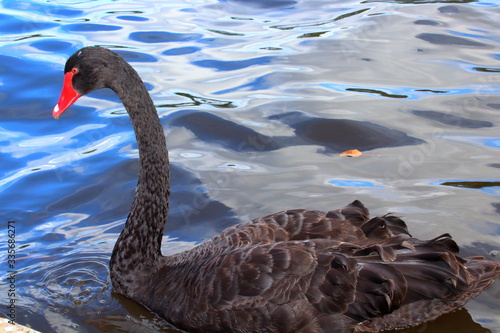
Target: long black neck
x,y
139,244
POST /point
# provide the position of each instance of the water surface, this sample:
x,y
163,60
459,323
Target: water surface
x,y
257,99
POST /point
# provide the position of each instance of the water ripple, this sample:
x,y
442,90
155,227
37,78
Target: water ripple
x,y
77,281
257,98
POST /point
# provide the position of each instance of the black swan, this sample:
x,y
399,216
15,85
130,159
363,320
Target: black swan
x,y
293,271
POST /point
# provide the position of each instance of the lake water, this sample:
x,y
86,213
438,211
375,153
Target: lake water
x,y
257,98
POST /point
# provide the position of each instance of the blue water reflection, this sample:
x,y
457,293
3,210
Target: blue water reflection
x,y
257,99
162,37
353,183
233,65
10,24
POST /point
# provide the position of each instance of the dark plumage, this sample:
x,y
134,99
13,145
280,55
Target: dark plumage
x,y
293,271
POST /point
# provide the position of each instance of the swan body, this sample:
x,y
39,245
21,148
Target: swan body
x,y
292,271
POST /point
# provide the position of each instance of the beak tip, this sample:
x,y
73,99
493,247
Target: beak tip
x,y
55,112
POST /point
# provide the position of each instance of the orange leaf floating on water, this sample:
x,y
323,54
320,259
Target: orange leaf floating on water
x,y
351,153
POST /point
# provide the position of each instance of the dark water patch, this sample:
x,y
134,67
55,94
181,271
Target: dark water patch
x,y
496,205
190,199
132,18
433,91
26,37
442,39
378,92
61,11
132,56
427,22
226,33
98,192
354,13
216,130
226,65
90,27
89,151
449,10
313,34
162,36
451,119
52,237
316,23
239,18
337,135
199,100
98,196
194,215
472,184
12,25
494,105
486,69
181,51
125,12
53,45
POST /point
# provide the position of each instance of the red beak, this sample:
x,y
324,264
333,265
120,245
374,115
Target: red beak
x,y
68,96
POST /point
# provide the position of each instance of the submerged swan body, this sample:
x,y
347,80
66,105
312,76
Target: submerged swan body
x,y
293,271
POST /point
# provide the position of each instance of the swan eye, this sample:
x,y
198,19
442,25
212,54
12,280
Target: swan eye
x,y
74,70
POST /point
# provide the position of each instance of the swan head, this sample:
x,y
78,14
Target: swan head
x,y
88,69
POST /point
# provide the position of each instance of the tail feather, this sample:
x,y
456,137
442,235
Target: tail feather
x,y
483,273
